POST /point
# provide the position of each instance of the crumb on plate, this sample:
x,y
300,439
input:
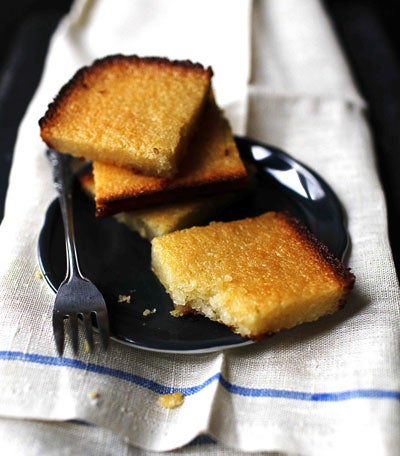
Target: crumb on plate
x,y
148,312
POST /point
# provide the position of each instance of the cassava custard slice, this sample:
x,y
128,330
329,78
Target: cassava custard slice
x,y
131,111
257,275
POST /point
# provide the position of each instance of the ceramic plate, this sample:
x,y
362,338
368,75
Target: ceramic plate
x,y
117,260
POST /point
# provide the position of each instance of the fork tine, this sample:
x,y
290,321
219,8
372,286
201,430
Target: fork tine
x,y
73,329
87,323
58,331
103,326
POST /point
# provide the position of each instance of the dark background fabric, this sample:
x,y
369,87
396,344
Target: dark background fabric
x,y
369,34
367,30
25,29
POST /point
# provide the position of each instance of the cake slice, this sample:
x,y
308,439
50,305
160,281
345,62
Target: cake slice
x,y
166,218
257,275
212,164
131,111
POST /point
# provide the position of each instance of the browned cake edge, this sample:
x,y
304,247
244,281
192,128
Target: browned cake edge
x,y
86,181
343,273
213,185
78,79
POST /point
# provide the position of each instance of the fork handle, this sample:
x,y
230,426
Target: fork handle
x,y
63,180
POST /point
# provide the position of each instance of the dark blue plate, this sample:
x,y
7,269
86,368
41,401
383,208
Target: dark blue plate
x,y
117,260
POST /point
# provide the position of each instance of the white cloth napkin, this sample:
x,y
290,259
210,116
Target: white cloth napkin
x,y
327,388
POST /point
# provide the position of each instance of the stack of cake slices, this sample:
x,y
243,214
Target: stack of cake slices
x,y
163,154
164,159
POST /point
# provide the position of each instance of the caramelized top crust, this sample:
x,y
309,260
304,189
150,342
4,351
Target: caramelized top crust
x,y
109,62
273,254
130,111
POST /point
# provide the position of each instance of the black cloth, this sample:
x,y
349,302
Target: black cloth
x,y
368,34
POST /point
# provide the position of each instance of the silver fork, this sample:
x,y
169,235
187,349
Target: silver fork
x,y
77,297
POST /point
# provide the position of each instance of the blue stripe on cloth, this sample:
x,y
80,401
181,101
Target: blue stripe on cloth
x,y
231,388
314,397
122,375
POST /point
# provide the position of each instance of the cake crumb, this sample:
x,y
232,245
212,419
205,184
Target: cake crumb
x,y
39,275
148,312
94,397
175,313
93,394
86,347
171,400
124,298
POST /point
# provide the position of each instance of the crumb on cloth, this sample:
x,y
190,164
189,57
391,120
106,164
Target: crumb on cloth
x,y
93,394
39,275
171,400
94,397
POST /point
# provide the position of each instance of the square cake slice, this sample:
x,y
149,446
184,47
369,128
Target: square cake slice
x,y
212,164
137,112
257,275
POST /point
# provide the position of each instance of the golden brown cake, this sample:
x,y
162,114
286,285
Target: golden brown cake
x,y
257,276
131,111
212,164
166,218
